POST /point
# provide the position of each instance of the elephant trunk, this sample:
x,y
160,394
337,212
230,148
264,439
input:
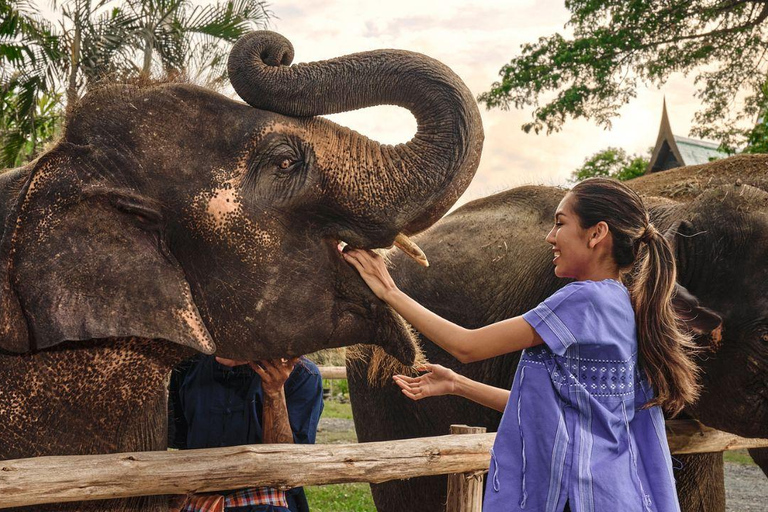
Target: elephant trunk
x,y
380,190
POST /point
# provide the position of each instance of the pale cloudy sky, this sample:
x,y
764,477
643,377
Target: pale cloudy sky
x,y
475,39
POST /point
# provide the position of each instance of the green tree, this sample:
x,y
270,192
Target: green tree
x,y
617,44
757,138
106,39
45,66
96,36
28,118
181,35
29,53
613,163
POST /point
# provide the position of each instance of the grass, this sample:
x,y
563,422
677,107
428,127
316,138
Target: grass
x,y
340,498
336,409
738,457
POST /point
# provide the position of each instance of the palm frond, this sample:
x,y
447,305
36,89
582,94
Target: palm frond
x,y
227,20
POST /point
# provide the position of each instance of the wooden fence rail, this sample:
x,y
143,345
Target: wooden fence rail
x,y
89,477
92,477
333,372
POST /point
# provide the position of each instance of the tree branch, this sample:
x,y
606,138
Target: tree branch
x,y
757,21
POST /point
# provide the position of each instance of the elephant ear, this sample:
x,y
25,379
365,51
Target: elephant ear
x,y
702,321
80,262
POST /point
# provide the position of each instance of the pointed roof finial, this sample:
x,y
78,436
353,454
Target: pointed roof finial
x,y
665,135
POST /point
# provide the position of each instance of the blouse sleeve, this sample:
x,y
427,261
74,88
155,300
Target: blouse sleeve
x,y
561,319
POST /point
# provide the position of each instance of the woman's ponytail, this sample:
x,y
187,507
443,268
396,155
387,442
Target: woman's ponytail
x,y
665,350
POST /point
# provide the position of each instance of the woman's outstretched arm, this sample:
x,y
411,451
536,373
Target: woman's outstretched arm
x,y
443,381
466,345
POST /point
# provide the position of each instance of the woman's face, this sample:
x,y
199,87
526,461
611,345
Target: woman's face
x,y
569,242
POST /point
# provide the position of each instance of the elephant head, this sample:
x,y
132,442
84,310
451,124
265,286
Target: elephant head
x,y
172,212
720,241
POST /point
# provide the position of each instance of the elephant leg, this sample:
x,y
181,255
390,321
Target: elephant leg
x,y
760,456
700,482
102,396
383,414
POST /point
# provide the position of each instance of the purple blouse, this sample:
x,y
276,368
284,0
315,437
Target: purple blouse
x,y
573,429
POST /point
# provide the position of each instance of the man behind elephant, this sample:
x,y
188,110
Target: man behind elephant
x,y
220,402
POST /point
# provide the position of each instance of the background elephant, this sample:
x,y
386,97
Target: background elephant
x,y
489,261
170,219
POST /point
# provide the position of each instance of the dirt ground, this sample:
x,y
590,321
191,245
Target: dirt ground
x,y
746,488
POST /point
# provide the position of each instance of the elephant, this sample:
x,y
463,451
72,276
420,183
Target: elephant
x,y
171,219
489,261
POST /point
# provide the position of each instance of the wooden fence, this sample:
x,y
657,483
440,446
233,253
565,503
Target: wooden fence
x,y
333,372
93,477
463,456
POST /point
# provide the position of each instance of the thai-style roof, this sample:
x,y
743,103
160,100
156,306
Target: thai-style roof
x,y
675,151
696,151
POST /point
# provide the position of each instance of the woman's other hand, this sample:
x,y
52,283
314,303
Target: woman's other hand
x,y
373,270
438,381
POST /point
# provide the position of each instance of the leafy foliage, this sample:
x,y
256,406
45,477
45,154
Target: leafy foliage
x,y
617,44
117,40
97,40
613,163
96,37
186,36
757,138
29,53
28,118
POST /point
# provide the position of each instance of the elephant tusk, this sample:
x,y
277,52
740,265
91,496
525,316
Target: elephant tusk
x,y
406,245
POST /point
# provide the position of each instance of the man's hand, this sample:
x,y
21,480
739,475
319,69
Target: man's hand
x,y
273,373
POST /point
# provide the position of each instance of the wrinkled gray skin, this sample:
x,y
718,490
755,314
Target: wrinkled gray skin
x,y
489,261
170,219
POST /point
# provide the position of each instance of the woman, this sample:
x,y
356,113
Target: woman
x,y
582,425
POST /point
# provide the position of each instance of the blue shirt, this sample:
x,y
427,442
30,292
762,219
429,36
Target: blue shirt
x,y
222,406
573,429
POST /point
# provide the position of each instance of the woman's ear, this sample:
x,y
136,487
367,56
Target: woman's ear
x,y
597,234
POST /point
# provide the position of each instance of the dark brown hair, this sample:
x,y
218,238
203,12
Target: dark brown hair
x,y
665,349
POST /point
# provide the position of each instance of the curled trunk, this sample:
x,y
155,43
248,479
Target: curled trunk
x,y
385,189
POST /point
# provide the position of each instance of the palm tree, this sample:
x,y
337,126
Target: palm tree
x,y
104,39
109,39
96,35
29,53
182,36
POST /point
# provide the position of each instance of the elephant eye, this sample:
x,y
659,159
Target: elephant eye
x,y
285,163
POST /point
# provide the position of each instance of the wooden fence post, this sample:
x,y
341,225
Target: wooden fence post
x,y
465,490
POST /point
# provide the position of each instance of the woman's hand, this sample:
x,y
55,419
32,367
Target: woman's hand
x,y
373,270
444,381
438,381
